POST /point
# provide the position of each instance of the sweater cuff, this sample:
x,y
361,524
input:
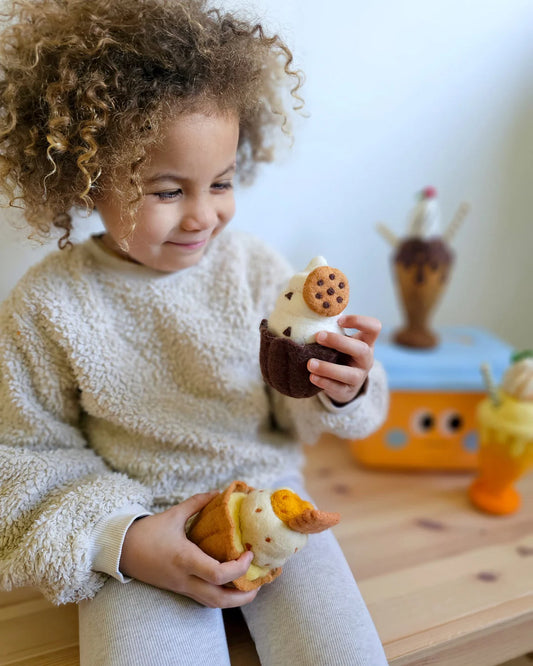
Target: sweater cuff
x,y
107,540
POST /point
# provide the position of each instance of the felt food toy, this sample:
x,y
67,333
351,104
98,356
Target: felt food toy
x,y
506,443
312,301
422,263
273,524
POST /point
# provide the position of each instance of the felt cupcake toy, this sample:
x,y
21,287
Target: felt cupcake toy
x,y
273,524
313,301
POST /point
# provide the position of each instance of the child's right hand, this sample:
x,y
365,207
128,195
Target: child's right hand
x,y
157,551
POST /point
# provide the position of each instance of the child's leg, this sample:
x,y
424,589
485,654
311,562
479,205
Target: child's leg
x,y
314,613
134,623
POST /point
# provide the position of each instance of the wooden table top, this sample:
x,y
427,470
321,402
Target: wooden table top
x,y
444,583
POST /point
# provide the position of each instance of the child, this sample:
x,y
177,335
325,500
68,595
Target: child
x,y
129,375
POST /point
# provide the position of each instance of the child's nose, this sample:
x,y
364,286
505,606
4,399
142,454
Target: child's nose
x,y
198,214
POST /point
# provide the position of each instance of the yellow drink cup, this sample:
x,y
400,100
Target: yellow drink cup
x,y
505,453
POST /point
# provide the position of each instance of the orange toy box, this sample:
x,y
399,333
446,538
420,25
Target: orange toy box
x,y
434,395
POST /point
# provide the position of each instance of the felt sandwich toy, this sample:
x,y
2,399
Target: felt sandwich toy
x,y
273,524
312,301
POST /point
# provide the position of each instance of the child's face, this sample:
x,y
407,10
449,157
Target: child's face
x,y
188,194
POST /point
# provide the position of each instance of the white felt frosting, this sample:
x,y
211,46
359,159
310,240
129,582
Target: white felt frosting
x,y
425,220
294,313
518,380
271,540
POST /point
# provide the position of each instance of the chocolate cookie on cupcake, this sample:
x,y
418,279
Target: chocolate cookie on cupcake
x,y
313,301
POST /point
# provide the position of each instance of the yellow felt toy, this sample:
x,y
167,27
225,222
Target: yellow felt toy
x,y
273,524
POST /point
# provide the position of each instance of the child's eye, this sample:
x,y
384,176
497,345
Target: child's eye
x,y
226,185
165,196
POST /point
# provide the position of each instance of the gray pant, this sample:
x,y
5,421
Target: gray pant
x,y
312,615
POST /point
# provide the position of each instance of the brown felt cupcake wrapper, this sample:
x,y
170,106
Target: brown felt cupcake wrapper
x,y
284,363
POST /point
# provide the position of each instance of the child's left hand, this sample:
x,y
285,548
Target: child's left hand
x,y
342,383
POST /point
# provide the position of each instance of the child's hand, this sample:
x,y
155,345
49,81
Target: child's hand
x,y
156,551
342,383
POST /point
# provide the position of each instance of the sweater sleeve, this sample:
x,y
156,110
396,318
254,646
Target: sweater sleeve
x,y
309,418
108,539
53,488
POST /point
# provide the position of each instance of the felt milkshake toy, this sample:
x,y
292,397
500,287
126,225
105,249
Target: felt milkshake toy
x,y
422,263
506,443
312,301
273,524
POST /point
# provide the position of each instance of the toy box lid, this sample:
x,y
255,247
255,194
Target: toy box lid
x,y
454,365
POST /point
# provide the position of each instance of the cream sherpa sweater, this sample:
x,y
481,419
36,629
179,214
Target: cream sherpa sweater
x,y
124,387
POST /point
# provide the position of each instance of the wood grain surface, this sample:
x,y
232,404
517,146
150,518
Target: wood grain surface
x,y
445,584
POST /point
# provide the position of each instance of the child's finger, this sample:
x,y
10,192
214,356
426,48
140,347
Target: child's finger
x,y
368,328
236,568
359,350
218,597
335,390
219,573
193,504
342,374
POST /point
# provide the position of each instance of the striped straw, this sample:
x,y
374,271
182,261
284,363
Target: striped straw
x,y
387,234
454,225
490,384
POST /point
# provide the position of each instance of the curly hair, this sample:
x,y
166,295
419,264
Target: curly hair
x,y
86,86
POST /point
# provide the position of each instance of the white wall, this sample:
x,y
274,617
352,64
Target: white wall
x,y
401,94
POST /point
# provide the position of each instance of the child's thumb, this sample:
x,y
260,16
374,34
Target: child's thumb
x,y
196,503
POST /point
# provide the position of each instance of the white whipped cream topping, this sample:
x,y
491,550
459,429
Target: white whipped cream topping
x,y
425,220
518,380
294,312
258,526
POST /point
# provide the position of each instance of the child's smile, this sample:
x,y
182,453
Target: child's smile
x,y
188,194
